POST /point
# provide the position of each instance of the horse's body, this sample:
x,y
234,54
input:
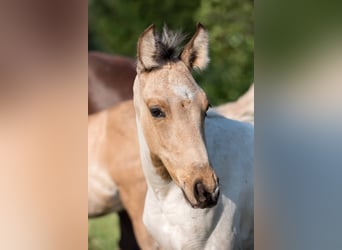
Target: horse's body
x,y
240,110
110,81
185,151
115,178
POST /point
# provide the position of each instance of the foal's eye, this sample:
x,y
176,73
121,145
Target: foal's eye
x,y
157,112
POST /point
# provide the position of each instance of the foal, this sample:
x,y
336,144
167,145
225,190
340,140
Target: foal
x,y
186,150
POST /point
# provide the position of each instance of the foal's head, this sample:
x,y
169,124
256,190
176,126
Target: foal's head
x,y
171,108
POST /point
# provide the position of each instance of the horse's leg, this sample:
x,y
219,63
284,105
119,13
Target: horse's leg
x,y
133,198
127,240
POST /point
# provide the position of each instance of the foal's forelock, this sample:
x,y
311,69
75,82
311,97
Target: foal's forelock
x,y
157,49
168,45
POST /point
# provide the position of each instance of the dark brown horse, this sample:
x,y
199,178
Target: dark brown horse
x,y
110,81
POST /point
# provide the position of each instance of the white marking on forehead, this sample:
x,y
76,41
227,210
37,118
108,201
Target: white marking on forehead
x,y
183,92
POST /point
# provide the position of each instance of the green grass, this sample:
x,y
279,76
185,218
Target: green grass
x,y
104,233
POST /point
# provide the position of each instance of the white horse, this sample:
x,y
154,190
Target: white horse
x,y
186,150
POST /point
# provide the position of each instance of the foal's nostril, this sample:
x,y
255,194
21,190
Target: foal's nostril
x,y
201,194
204,198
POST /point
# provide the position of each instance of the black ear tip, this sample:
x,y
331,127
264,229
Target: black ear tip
x,y
200,26
151,27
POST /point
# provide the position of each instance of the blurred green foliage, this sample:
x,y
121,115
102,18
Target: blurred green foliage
x,y
114,27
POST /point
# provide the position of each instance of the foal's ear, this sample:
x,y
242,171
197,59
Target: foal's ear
x,y
195,54
147,50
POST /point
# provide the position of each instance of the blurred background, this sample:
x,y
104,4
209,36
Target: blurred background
x,y
114,28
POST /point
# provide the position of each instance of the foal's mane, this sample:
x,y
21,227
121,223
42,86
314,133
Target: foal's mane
x,y
168,45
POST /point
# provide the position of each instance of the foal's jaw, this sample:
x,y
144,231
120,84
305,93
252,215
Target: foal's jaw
x,y
198,182
182,158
